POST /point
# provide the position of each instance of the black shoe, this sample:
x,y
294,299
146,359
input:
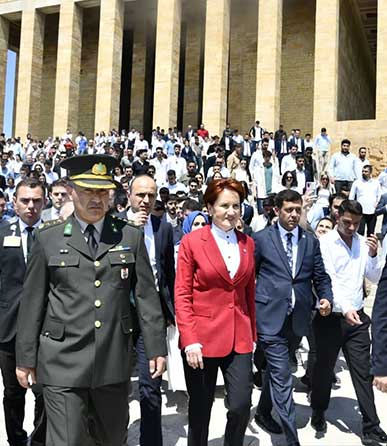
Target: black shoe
x,y
377,435
318,421
305,380
267,423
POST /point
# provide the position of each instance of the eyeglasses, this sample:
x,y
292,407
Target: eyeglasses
x,y
289,178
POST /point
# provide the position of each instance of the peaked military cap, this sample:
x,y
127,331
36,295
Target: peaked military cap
x,y
93,171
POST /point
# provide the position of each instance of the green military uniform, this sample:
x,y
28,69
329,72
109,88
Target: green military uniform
x,y
75,326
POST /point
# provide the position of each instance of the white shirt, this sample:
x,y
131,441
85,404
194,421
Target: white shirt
x,y
367,193
24,235
161,170
283,234
347,269
359,164
288,163
228,246
178,164
149,239
301,180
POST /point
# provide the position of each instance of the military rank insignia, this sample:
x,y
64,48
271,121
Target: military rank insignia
x,y
124,273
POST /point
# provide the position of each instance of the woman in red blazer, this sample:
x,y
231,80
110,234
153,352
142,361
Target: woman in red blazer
x,y
215,313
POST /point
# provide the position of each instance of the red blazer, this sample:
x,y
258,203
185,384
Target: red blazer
x,y
211,308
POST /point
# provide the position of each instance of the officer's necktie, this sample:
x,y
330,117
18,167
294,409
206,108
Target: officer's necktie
x,y
91,241
30,239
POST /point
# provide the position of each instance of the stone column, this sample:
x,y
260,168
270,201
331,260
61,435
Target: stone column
x,y
68,68
216,57
167,63
269,51
137,96
381,62
107,107
30,73
4,32
326,63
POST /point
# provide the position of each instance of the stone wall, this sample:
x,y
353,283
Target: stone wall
x,y
88,82
47,101
297,68
243,65
356,77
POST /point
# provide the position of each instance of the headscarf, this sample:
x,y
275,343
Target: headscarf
x,y
189,219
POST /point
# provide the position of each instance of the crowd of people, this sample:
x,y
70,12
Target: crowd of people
x,y
248,243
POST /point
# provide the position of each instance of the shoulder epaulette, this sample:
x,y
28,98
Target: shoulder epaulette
x,y
51,223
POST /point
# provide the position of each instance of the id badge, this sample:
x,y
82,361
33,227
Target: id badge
x,y
12,241
124,273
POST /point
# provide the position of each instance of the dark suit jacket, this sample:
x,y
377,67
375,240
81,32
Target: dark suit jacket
x,y
278,145
12,272
275,282
165,265
248,213
293,142
379,328
381,209
75,318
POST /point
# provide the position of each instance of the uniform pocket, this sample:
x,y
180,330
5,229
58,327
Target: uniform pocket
x,y
53,329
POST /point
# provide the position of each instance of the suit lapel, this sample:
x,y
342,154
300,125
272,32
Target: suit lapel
x,y
276,238
213,254
244,260
302,241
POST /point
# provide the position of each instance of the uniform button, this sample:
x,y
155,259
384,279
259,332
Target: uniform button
x,y
230,305
97,263
97,324
97,303
47,334
62,263
122,256
97,283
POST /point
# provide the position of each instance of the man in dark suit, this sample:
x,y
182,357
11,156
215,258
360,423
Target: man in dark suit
x,y
15,243
379,334
59,196
159,243
288,263
297,140
75,320
381,209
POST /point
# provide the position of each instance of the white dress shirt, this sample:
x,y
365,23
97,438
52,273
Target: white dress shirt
x,y
228,246
288,163
367,193
149,239
347,268
283,234
24,235
301,181
359,164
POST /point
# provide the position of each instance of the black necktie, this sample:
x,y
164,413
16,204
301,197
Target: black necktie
x,y
30,239
91,241
289,250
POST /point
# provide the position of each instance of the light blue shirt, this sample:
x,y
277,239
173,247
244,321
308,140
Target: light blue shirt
x,y
323,143
343,167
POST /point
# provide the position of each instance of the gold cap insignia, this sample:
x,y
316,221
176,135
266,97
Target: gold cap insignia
x,y
99,169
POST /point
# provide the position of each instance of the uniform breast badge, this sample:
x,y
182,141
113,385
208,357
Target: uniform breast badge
x,y
124,273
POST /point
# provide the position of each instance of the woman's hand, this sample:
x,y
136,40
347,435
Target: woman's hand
x,y
195,358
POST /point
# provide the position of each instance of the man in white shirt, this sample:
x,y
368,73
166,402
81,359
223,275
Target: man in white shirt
x,y
289,161
322,144
300,173
360,162
172,184
161,165
141,143
349,258
177,163
367,192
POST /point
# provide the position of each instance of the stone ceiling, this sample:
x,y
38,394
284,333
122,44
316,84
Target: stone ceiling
x,y
368,12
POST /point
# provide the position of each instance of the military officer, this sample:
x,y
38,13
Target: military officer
x,y
75,322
